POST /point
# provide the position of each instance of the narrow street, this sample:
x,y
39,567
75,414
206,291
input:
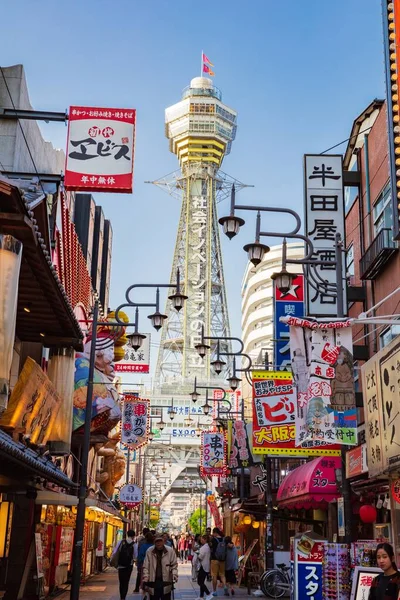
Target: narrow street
x,y
105,586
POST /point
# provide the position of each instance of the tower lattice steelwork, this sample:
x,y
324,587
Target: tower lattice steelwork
x,y
201,130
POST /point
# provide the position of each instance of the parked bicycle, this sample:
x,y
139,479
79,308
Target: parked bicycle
x,y
275,583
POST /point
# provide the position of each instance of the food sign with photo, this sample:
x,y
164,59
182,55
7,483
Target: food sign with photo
x,y
135,421
308,557
213,453
323,372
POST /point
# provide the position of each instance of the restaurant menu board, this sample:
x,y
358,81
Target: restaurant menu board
x,y
362,580
308,556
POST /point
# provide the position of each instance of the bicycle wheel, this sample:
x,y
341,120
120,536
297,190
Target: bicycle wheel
x,y
274,585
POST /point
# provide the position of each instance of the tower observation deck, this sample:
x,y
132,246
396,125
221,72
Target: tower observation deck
x,y
200,129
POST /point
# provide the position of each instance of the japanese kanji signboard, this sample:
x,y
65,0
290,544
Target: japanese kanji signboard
x,y
213,453
274,412
135,361
135,421
240,453
130,495
324,218
214,510
381,395
100,149
322,366
285,305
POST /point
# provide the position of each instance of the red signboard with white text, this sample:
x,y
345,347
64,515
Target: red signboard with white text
x,y
100,149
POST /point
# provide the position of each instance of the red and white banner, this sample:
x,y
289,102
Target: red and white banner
x,y
135,421
213,453
135,361
100,149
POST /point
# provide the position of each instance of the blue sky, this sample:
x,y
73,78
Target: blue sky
x,y
297,72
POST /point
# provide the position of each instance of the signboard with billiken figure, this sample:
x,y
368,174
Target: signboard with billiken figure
x,y
135,361
100,149
130,495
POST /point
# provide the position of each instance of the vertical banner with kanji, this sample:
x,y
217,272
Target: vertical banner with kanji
x,y
290,304
135,421
324,218
239,449
381,395
135,361
214,510
100,149
322,366
213,453
274,417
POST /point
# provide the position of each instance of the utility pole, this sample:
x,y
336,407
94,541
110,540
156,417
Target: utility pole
x,y
346,491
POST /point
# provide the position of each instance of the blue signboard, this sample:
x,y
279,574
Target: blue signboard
x,y
290,304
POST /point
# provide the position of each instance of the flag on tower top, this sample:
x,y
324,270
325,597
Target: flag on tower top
x,y
207,60
206,69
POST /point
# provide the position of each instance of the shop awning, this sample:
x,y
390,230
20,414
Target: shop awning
x,y
14,453
312,485
50,313
59,499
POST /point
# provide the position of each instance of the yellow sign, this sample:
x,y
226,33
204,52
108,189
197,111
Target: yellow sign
x,y
154,515
34,404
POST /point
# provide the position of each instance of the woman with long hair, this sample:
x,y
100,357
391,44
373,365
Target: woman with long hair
x,y
386,586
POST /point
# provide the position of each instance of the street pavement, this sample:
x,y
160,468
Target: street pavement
x,y
104,586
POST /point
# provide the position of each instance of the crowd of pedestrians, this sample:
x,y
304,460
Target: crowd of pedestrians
x,y
213,557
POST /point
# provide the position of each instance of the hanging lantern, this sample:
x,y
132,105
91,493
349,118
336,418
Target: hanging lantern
x,y
61,372
368,513
247,520
255,524
10,264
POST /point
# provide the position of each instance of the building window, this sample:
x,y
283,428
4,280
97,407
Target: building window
x,y
382,211
388,335
350,192
350,261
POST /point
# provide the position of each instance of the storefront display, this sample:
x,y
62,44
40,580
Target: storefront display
x,y
336,571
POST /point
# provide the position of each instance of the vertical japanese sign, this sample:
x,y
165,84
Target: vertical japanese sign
x,y
308,557
135,361
135,421
100,149
290,304
381,395
240,453
322,366
324,218
212,503
213,453
198,277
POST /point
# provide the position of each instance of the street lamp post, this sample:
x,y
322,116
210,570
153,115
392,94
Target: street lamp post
x,y
178,299
256,251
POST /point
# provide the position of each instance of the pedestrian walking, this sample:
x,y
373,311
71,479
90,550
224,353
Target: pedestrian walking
x,y
386,586
182,547
204,562
160,570
231,564
122,559
218,556
143,547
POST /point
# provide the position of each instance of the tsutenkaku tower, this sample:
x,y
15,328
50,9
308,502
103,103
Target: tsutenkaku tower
x,y
200,129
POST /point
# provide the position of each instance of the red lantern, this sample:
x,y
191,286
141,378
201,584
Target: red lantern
x,y
368,513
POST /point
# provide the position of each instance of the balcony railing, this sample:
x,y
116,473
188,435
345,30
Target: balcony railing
x,y
377,254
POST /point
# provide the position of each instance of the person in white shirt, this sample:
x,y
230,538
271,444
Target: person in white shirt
x,y
204,560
